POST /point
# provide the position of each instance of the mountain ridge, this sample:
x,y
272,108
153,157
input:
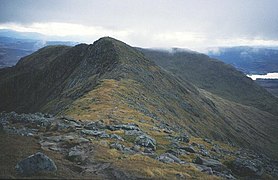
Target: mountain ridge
x,y
109,62
129,110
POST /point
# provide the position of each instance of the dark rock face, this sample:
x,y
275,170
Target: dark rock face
x,y
34,164
245,167
146,141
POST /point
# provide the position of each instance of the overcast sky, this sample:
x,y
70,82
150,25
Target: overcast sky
x,y
192,24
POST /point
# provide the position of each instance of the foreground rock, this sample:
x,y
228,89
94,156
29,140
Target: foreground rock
x,y
35,163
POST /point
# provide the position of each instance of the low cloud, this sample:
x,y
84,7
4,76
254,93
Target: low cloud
x,y
198,41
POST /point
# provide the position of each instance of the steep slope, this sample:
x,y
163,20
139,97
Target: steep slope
x,y
215,77
112,81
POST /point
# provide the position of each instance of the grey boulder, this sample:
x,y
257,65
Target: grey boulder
x,y
168,158
35,163
146,141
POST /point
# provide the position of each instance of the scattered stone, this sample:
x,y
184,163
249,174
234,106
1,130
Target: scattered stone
x,y
175,152
133,133
214,164
104,135
35,163
203,152
189,149
76,154
175,144
226,175
136,148
95,125
208,140
205,169
54,138
142,121
146,141
115,136
124,127
117,146
215,149
83,140
93,132
155,129
167,131
30,134
195,144
148,150
183,138
168,158
128,150
246,167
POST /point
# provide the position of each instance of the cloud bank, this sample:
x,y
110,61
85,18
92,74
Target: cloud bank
x,y
162,23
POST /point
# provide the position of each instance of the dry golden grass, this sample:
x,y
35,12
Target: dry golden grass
x,y
107,102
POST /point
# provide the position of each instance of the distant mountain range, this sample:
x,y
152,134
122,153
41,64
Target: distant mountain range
x,y
14,45
250,60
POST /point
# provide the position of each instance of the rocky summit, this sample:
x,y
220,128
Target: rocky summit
x,y
107,111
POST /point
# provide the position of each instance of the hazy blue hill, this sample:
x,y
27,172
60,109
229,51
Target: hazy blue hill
x,y
251,60
12,49
214,76
20,35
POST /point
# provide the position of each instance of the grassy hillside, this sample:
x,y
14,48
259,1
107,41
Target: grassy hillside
x,y
215,77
